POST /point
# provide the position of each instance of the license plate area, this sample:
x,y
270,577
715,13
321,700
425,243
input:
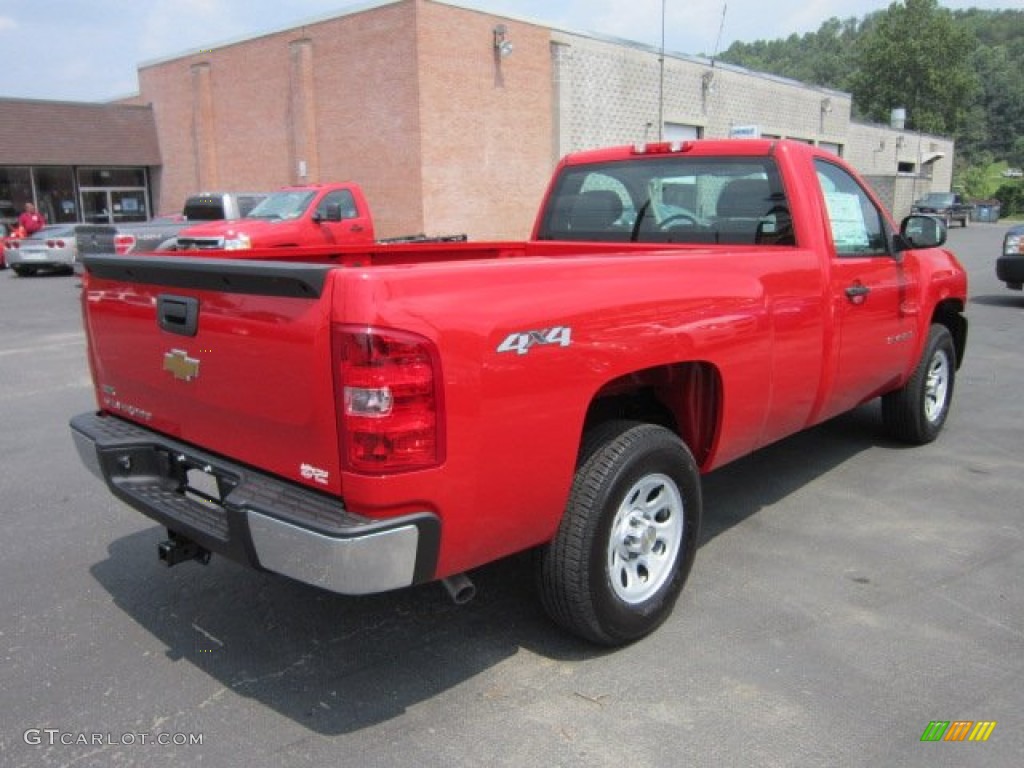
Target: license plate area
x,y
173,471
202,485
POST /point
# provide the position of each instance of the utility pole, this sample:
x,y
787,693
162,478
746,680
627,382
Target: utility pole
x,y
661,82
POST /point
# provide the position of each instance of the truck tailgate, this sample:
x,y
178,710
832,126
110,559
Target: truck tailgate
x,y
232,356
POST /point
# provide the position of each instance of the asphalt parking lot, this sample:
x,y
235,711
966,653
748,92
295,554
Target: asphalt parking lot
x,y
848,592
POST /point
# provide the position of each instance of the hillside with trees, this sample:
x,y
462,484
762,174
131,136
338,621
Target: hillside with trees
x,y
957,73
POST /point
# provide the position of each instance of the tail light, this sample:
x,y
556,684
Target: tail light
x,y
54,243
123,244
388,400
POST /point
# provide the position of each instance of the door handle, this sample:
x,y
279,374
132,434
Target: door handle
x,y
177,314
356,228
857,293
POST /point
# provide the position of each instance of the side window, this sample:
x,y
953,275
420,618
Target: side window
x,y
858,227
342,198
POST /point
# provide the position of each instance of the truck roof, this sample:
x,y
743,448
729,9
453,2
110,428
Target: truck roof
x,y
695,147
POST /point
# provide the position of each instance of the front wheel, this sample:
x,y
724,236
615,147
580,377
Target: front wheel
x,y
628,537
917,412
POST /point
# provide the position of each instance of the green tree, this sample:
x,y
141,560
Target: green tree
x,y
915,56
1001,97
974,183
958,73
1011,199
1016,155
823,58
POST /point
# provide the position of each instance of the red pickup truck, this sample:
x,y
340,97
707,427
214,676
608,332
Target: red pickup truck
x,y
364,419
316,214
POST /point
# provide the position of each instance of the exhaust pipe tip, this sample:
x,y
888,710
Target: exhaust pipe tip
x,y
460,589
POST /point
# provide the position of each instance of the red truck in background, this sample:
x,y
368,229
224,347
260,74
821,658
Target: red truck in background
x,y
367,418
315,214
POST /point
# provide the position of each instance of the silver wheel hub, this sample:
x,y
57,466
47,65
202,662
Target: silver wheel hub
x,y
646,535
936,386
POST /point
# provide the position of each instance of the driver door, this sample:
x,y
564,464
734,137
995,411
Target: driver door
x,y
868,288
354,224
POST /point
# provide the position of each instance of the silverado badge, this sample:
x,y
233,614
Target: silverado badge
x,y
180,365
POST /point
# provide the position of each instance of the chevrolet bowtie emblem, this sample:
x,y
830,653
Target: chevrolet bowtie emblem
x,y
180,365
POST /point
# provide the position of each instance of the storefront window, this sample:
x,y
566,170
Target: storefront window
x,y
101,195
15,191
55,194
112,177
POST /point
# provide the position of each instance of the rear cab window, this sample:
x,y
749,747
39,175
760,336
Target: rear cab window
x,y
736,200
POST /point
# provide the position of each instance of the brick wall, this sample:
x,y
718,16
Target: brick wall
x,y
409,99
486,123
339,96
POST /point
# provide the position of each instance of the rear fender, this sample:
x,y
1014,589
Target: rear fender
x,y
684,397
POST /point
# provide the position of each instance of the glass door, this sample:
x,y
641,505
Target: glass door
x,y
114,206
96,206
128,205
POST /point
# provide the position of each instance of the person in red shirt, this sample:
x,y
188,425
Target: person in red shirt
x,y
31,220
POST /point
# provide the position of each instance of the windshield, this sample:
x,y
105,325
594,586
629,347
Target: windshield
x,y
286,204
673,200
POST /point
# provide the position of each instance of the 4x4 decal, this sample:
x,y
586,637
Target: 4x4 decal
x,y
522,341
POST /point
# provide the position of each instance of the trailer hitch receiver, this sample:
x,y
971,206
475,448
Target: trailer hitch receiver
x,y
178,549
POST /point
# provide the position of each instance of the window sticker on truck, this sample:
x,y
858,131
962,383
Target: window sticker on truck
x,y
522,341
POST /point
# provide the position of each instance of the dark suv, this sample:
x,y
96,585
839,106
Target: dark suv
x,y
1010,265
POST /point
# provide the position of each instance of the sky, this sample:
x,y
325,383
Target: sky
x,y
89,50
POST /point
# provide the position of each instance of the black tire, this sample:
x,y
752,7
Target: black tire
x,y
21,271
595,580
917,412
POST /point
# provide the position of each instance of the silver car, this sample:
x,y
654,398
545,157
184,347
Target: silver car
x,y
52,247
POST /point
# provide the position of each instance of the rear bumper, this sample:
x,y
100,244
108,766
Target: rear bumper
x,y
256,518
1010,269
19,258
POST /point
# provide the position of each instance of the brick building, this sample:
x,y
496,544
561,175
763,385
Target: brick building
x,y
77,161
452,119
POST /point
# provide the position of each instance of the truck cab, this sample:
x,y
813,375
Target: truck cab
x,y
948,206
318,214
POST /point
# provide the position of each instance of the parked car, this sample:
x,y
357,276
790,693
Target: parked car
x,y
160,233
52,247
315,214
948,206
1010,265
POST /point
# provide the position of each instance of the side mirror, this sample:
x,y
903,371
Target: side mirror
x,y
918,231
333,212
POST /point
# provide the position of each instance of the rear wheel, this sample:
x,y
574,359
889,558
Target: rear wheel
x,y
628,537
22,271
917,412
